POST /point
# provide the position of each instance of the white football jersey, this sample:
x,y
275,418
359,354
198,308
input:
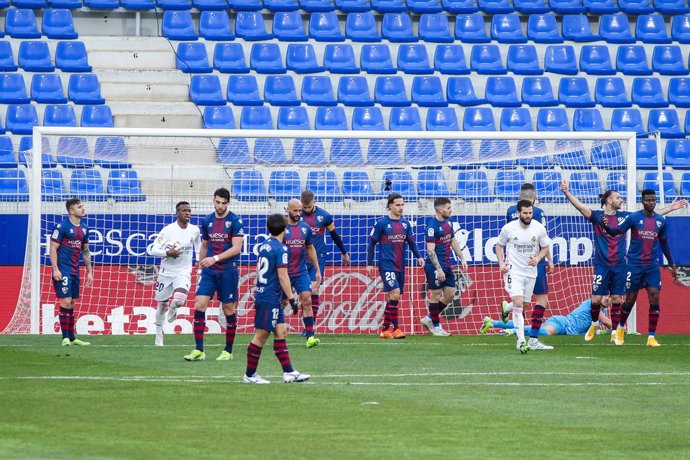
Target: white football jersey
x,y
189,240
521,244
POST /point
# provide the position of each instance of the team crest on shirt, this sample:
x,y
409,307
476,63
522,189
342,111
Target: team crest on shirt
x,y
534,238
642,222
319,218
388,226
71,231
210,225
658,224
304,230
227,224
404,225
621,220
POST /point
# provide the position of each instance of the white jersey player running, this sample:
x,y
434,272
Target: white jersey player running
x,y
176,243
525,243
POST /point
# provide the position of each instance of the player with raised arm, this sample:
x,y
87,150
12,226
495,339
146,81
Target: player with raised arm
x,y
525,243
440,277
647,236
392,232
299,240
69,239
175,244
610,267
272,282
222,233
319,220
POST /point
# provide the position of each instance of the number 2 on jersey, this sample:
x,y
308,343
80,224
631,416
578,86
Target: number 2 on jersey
x,y
263,269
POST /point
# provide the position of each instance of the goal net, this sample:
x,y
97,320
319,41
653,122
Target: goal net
x,y
131,179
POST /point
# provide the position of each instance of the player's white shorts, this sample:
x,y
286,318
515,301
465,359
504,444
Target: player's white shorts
x,y
516,284
166,285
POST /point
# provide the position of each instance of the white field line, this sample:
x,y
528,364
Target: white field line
x,y
340,344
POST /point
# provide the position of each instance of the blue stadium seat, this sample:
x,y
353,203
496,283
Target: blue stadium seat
x,y
57,24
35,56
269,151
346,152
685,186
679,92
74,152
413,59
576,28
607,155
383,152
404,119
537,92
390,91
486,59
233,151
134,5
647,156
507,184
677,154
432,184
533,154
21,23
367,119
574,92
450,60
31,4
59,115
361,27
588,120
635,6
316,6
7,157
600,6
26,145
547,184
458,152
325,27
256,117
552,119
435,28
324,184
332,118
687,123
174,4
210,5
124,185
308,151
424,6
627,120
218,117
87,185
596,60
354,91
13,185
495,6
376,59
293,118
53,185
192,58
473,186
249,25
421,152
523,60
617,181
470,28
560,59
570,154
585,186
647,92
501,92
357,186
397,28
301,58
651,28
442,119
478,119
97,116
266,58
632,60
84,89
459,90
288,26
542,28
13,89
615,28
516,119
7,62
388,6
281,5
670,7
353,6
611,92
318,91
47,89
245,5
340,59
243,90
215,25
229,58
651,181
400,182
248,185
428,92
666,122
70,56
566,6
531,6
668,60
280,90
178,25
506,28
494,149
680,29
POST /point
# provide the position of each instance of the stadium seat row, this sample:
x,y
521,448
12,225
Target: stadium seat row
x,y
21,118
57,23
47,89
71,152
34,56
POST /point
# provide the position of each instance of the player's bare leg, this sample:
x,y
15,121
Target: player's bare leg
x,y
160,318
199,328
230,330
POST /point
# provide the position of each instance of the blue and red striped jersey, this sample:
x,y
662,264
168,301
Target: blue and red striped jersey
x,y
297,237
72,239
219,232
318,220
441,234
608,250
646,232
392,236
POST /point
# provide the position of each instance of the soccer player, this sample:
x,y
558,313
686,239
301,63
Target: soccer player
x,y
272,282
319,220
222,233
299,240
392,232
648,235
525,243
440,277
175,244
68,240
577,322
610,268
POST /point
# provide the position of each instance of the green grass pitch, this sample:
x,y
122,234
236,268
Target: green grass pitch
x,y
422,397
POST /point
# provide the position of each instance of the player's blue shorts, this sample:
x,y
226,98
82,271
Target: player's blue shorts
x,y
68,287
393,280
301,282
640,276
433,283
224,283
541,285
609,280
322,268
268,316
559,324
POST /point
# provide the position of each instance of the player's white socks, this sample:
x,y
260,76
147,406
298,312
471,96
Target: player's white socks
x,y
160,317
519,324
510,306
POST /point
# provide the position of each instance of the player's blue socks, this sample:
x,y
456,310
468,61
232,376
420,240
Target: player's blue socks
x,y
253,355
653,319
308,327
394,313
626,308
281,351
595,310
315,304
230,331
70,330
434,313
615,315
537,320
64,322
199,329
